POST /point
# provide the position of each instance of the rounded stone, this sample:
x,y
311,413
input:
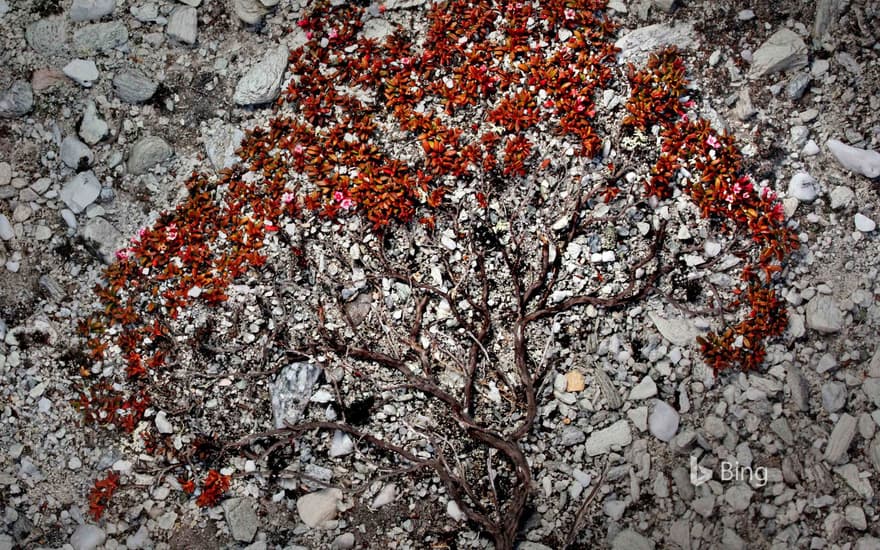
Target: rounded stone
x,y
147,153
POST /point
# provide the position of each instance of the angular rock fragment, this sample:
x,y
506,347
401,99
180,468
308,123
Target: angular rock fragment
x,y
783,51
262,82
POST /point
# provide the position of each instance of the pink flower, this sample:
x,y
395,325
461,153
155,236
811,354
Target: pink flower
x,y
287,198
569,14
298,149
712,141
141,232
338,196
171,232
123,254
310,35
332,34
345,204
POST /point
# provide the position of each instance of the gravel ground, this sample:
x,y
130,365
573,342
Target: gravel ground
x,y
107,107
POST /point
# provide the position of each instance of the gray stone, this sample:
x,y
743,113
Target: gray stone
x,y
857,482
608,389
873,453
631,540
345,541
863,223
377,29
17,100
803,187
92,129
797,86
262,82
637,45
644,389
318,507
81,191
76,154
291,390
738,497
841,197
678,330
874,364
783,51
221,141
241,518
133,86
146,153
871,387
827,12
781,428
89,10
663,421
861,161
87,537
602,441
100,37
7,233
82,71
824,315
834,396
744,109
47,36
665,5
840,440
183,24
102,239
571,435
867,543
249,11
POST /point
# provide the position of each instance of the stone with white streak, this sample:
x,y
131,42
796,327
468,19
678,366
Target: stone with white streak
x,y
803,187
840,440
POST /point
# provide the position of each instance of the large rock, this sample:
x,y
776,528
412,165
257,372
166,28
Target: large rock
x,y
663,421
631,540
291,390
678,330
76,154
262,82
17,100
318,507
221,141
861,161
102,239
241,518
784,51
134,86
827,12
100,37
249,11
146,153
602,441
81,191
841,438
183,24
47,36
824,315
7,232
87,537
92,129
88,10
635,46
82,71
